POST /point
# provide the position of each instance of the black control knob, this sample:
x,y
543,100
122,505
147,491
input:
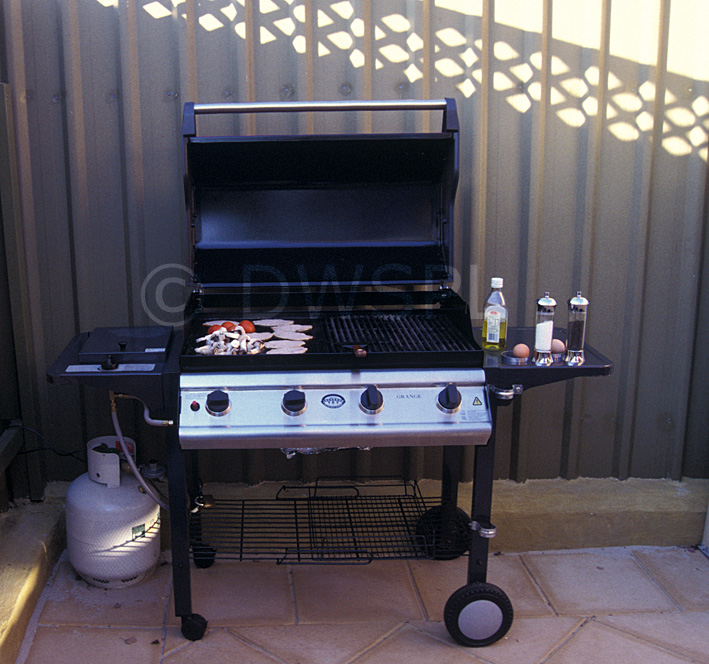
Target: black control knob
x,y
371,400
218,403
109,364
449,399
294,402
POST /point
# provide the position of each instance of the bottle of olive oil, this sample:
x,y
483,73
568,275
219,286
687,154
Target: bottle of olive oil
x,y
495,317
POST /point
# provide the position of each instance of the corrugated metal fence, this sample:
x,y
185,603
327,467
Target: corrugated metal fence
x,y
584,163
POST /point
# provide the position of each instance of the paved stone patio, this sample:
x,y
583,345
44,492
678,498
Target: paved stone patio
x,y
630,604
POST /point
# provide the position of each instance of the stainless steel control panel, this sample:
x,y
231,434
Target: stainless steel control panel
x,y
334,409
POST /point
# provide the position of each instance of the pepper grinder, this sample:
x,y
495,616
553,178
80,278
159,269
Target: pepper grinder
x,y
544,331
576,333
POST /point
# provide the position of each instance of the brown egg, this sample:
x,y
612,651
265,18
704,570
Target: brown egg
x,y
520,350
557,346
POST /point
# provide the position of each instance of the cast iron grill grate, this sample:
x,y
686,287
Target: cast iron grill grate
x,y
387,333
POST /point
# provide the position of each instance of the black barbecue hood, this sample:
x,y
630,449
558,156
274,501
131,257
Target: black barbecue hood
x,y
303,210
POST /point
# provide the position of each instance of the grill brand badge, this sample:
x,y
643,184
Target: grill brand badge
x,y
333,401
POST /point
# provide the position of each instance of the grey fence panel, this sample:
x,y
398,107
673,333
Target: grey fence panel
x,y
583,166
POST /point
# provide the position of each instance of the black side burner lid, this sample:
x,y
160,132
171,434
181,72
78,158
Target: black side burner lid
x,y
126,344
362,209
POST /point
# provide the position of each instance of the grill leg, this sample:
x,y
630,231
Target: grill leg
x,y
445,526
483,474
452,458
480,613
194,484
193,625
178,524
202,553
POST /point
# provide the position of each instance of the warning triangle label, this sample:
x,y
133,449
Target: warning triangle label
x,y
477,402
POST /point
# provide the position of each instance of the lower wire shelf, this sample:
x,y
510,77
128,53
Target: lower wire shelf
x,y
331,522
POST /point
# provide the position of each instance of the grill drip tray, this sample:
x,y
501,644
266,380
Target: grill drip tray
x,y
335,522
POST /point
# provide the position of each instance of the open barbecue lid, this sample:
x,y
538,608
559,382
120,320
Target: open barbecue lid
x,y
302,210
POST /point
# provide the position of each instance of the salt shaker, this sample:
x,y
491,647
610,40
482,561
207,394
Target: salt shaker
x,y
544,331
576,332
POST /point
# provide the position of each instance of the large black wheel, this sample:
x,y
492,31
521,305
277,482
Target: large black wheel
x,y
444,532
194,627
203,555
478,614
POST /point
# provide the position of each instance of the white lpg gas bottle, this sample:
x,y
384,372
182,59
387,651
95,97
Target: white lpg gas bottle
x,y
112,527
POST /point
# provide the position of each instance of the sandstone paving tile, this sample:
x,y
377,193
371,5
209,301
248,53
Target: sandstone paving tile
x,y
594,643
596,582
217,646
240,594
115,645
529,641
685,633
72,601
355,593
682,573
409,645
315,644
437,580
173,638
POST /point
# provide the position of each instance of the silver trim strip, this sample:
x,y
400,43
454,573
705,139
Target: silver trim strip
x,y
310,106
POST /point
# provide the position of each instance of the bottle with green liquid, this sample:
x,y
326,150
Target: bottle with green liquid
x,y
495,317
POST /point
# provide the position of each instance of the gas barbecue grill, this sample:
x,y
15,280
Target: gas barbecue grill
x,y
350,238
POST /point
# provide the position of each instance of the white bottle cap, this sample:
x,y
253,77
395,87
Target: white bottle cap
x,y
496,282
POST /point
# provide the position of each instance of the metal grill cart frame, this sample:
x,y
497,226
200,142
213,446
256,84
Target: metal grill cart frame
x,y
344,377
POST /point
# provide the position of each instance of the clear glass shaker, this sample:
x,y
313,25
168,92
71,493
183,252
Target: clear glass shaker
x,y
576,332
544,331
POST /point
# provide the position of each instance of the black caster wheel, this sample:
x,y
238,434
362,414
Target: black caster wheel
x,y
193,627
444,541
478,614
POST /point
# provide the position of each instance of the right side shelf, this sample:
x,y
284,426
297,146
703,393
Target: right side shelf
x,y
506,376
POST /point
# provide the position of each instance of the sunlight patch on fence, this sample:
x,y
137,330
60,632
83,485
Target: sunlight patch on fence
x,y
398,41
